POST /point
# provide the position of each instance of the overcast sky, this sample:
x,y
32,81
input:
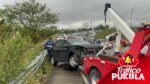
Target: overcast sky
x,y
77,12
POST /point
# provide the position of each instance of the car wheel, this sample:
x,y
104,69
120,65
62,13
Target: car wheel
x,y
94,76
72,62
53,61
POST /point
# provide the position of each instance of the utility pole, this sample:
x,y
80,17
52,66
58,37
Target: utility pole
x,y
92,25
105,19
69,26
131,16
105,25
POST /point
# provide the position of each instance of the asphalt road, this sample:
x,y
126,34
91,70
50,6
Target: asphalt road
x,y
62,75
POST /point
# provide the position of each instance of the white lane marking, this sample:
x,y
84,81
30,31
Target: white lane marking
x,y
84,78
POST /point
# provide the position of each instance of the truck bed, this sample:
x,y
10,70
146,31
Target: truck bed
x,y
109,58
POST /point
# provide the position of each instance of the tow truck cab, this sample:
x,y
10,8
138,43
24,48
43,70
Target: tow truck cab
x,y
106,67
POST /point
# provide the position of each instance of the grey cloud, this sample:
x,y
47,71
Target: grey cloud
x,y
72,11
81,10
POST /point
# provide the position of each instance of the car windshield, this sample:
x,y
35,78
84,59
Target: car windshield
x,y
78,42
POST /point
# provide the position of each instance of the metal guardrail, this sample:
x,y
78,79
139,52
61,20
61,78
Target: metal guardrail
x,y
32,68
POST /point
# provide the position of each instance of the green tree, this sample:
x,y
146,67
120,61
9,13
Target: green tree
x,y
30,15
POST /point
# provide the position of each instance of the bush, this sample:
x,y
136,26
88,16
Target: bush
x,y
38,35
19,46
11,57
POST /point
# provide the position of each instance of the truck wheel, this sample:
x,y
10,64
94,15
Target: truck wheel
x,y
94,76
72,62
53,61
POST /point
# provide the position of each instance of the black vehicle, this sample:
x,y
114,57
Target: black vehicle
x,y
72,51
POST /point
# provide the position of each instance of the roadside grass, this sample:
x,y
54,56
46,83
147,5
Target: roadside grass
x,y
11,58
103,33
54,37
44,71
15,55
42,74
31,53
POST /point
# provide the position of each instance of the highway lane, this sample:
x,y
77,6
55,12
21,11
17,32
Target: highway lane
x,y
62,75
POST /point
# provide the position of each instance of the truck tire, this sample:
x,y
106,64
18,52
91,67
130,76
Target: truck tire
x,y
94,76
53,61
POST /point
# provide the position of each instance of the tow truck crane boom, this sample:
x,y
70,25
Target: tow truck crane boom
x,y
120,24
